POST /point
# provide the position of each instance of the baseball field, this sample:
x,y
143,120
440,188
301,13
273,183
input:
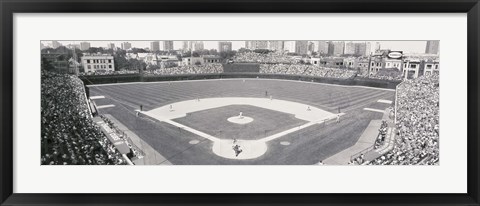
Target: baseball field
x,y
275,122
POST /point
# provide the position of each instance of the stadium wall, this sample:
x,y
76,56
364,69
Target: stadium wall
x,y
108,79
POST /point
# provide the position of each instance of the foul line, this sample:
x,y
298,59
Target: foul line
x,y
281,134
105,106
97,97
194,131
384,101
374,110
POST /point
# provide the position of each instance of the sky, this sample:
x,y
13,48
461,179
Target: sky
x,y
405,46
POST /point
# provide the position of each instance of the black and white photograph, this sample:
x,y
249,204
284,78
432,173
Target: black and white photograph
x,y
240,102
255,103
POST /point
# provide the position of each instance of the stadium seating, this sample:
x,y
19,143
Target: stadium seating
x,y
68,134
190,69
417,124
241,67
385,74
268,58
308,70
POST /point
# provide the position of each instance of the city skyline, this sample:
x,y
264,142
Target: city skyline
x,y
405,46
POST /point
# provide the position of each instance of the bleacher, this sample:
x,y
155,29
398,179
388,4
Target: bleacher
x,y
241,68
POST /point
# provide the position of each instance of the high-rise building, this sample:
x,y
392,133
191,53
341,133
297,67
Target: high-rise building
x,y
330,48
311,47
187,46
257,45
289,46
126,45
350,48
248,44
336,48
275,45
73,46
361,49
322,47
198,46
252,45
261,44
368,49
432,47
315,46
154,46
84,46
377,46
301,47
224,46
56,44
111,46
168,45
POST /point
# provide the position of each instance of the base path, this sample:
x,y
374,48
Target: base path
x,y
249,148
180,109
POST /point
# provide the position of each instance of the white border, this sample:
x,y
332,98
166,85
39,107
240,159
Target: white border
x,y
450,176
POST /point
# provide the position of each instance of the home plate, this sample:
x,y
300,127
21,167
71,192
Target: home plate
x,y
250,149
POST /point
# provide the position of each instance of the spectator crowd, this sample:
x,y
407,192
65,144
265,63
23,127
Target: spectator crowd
x,y
68,134
134,150
109,73
307,69
384,74
382,134
264,58
382,77
417,140
189,69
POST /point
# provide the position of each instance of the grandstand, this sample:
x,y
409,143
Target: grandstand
x,y
417,123
69,135
241,68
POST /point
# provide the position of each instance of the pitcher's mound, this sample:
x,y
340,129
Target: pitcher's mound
x,y
240,120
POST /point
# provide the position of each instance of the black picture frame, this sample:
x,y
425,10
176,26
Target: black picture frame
x,y
10,7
